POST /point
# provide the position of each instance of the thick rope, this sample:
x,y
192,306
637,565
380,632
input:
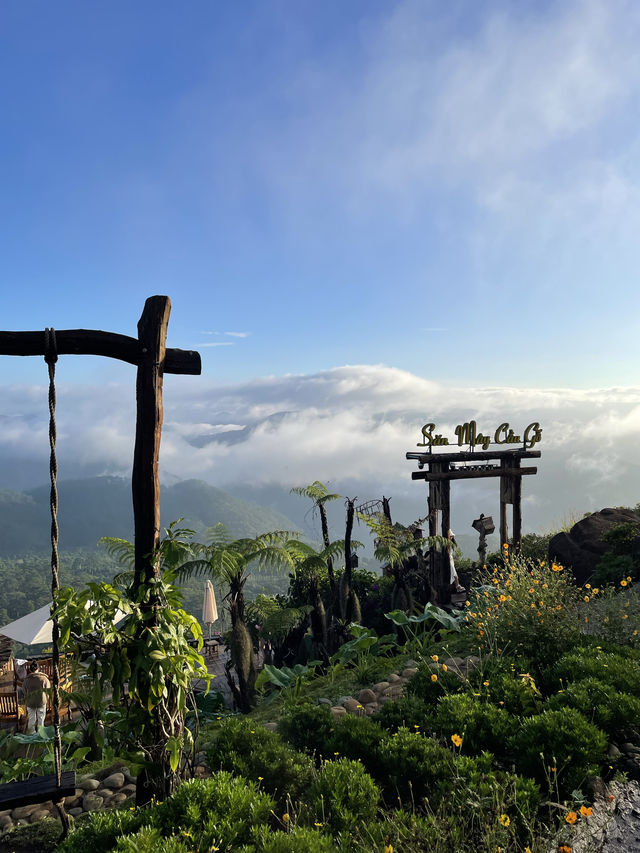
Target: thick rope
x,y
51,356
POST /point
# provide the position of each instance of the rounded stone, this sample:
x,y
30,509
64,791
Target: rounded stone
x,y
91,802
338,711
324,701
384,699
5,812
75,812
120,797
129,790
393,677
371,708
5,821
24,812
344,699
271,727
71,802
410,671
380,687
89,785
351,705
366,696
116,780
39,815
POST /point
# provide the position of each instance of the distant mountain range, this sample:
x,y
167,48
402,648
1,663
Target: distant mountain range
x,y
101,506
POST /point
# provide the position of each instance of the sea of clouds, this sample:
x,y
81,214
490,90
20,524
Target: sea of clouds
x,y
349,426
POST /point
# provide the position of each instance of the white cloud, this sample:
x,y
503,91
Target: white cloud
x,y
351,425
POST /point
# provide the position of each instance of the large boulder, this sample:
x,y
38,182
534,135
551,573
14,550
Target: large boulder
x,y
582,548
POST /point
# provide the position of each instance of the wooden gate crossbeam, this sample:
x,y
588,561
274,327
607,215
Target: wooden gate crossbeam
x,y
462,474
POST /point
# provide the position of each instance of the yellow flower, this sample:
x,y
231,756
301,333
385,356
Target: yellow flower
x,y
260,778
586,598
595,590
444,667
623,582
435,658
388,848
286,818
587,586
571,818
316,823
457,740
586,811
504,819
434,677
502,598
486,683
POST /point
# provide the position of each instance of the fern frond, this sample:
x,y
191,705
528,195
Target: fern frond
x,y
121,549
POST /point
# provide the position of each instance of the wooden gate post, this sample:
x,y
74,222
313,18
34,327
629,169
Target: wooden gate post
x,y
145,483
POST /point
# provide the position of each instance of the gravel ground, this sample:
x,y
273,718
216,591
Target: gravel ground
x,y
614,826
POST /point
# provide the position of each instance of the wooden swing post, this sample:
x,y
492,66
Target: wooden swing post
x,y
153,359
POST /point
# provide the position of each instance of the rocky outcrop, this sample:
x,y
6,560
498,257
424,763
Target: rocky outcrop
x,y
582,548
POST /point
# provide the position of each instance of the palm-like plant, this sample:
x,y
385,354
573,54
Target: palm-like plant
x,y
229,561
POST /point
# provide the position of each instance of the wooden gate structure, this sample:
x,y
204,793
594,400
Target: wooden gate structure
x,y
443,468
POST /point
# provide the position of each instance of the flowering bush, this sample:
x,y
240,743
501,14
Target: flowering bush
x,y
409,712
620,671
432,681
525,608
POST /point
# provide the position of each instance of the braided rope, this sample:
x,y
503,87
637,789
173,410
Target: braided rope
x,y
51,356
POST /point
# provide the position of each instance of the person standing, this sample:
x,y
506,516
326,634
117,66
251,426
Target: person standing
x,y
35,697
453,574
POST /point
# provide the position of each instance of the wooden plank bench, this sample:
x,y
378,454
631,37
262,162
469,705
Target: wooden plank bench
x,y
38,789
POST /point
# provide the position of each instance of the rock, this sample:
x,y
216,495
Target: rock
x,y
324,701
79,792
71,802
352,706
409,672
116,780
22,822
630,749
395,691
371,708
5,812
472,662
24,812
597,786
613,751
582,548
393,677
338,711
366,696
380,687
5,822
89,785
382,700
91,802
343,699
129,790
75,812
120,797
272,727
39,815
105,793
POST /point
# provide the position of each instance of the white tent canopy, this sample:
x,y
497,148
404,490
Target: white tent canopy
x,y
37,627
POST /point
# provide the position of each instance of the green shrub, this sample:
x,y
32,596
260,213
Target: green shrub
x,y
149,840
600,703
482,793
247,749
299,840
218,811
308,727
343,795
481,725
408,712
612,567
613,668
408,830
563,740
424,687
415,767
100,832
358,738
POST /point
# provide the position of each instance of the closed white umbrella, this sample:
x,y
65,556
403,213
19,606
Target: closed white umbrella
x,y
209,607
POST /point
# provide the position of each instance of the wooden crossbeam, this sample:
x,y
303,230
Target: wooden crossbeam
x,y
462,474
475,455
95,342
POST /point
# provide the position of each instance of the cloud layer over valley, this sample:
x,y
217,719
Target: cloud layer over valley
x,y
349,426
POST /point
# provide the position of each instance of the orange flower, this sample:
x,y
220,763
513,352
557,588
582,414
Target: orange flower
x,y
434,677
571,818
586,811
456,739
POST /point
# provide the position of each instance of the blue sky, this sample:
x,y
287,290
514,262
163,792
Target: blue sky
x,y
450,189
445,194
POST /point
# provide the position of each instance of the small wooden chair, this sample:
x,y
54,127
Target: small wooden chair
x,y
10,709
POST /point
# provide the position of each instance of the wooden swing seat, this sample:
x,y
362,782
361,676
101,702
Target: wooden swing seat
x,y
38,789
